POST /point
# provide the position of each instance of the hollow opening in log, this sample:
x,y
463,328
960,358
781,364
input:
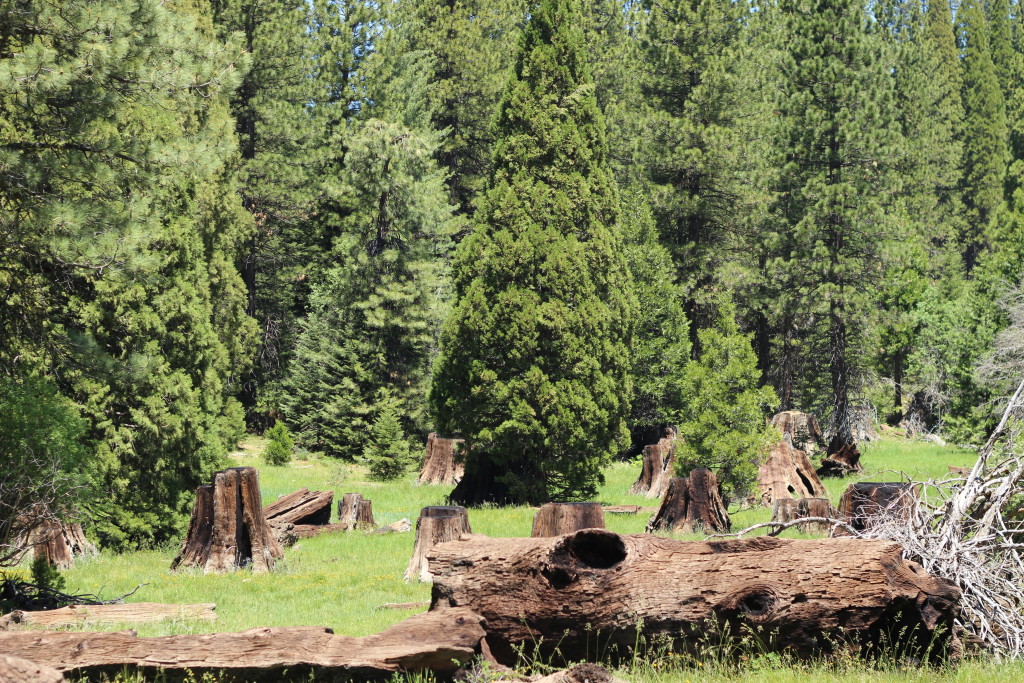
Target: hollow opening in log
x,y
597,549
558,577
757,604
804,479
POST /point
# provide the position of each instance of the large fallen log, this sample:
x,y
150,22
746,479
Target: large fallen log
x,y
556,597
439,641
301,507
18,670
130,613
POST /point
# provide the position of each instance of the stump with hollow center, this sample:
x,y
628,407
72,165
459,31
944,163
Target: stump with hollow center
x,y
865,505
692,503
658,461
555,519
439,466
356,512
790,509
228,529
436,524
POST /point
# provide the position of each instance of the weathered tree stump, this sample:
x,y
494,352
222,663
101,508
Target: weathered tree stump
x,y
865,505
355,511
59,544
555,519
808,595
436,524
843,462
130,613
788,473
791,509
228,530
658,461
439,466
862,422
18,670
692,503
920,417
301,507
802,428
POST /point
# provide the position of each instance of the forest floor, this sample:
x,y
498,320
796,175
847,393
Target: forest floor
x,y
341,580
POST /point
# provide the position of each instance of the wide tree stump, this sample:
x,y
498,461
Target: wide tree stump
x,y
788,473
801,428
555,519
59,544
558,596
692,503
439,641
866,505
440,466
658,461
791,509
844,461
355,511
131,613
302,507
18,670
228,530
436,524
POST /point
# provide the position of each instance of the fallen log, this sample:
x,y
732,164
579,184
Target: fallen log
x,y
18,670
131,613
627,510
440,465
301,507
805,597
310,530
657,468
436,524
439,641
788,473
692,503
555,519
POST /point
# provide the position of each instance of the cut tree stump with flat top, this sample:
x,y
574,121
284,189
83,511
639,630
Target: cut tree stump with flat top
x,y
865,504
555,519
59,544
436,524
228,530
556,597
355,511
658,462
788,473
802,428
692,503
301,507
791,509
439,465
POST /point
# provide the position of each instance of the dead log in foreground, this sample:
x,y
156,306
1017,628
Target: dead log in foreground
x,y
436,524
355,511
790,509
131,613
440,466
692,503
788,473
59,544
228,530
18,670
556,519
802,428
301,507
866,504
658,466
593,586
438,641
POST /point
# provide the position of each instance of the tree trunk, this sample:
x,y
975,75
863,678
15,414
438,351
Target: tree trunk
x,y
58,544
302,507
436,524
843,462
658,461
439,467
809,596
692,503
90,615
865,505
788,473
920,417
555,519
801,428
355,511
228,530
18,670
790,509
438,641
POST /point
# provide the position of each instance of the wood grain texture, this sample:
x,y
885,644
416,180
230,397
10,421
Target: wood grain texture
x,y
436,524
555,519
18,670
788,473
692,503
134,613
439,465
301,507
657,468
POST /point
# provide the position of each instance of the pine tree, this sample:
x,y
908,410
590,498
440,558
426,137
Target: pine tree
x,y
535,361
1000,40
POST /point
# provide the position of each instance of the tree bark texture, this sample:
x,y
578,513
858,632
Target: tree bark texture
x,y
590,593
658,461
866,504
842,462
85,615
692,503
790,509
788,473
301,507
18,670
58,544
436,524
438,641
556,519
439,466
355,511
801,428
228,530
920,416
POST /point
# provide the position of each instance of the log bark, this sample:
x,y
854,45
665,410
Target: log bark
x,y
228,530
627,510
790,509
59,544
301,507
18,670
439,641
436,524
843,462
131,613
692,503
571,591
311,530
555,519
440,466
802,429
864,505
788,473
658,461
355,511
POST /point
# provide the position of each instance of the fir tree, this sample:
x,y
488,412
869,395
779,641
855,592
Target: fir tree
x,y
279,445
534,369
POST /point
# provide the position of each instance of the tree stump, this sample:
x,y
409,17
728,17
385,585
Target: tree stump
x,y
658,460
59,544
692,503
356,512
808,595
843,462
302,507
866,505
436,524
862,422
920,416
439,466
790,509
802,429
555,519
228,530
788,473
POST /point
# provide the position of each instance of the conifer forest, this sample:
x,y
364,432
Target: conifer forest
x,y
553,228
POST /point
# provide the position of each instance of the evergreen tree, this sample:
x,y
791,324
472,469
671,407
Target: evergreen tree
x,y
279,445
388,453
1000,40
534,369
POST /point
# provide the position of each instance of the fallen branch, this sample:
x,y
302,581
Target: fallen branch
x,y
779,527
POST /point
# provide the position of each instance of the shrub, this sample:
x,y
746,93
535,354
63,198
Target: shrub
x,y
279,445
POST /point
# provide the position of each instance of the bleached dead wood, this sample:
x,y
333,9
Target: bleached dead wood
x,y
131,613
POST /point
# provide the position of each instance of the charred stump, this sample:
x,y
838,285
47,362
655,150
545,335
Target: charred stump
x,y
59,544
301,507
658,461
692,503
802,429
842,460
865,505
440,465
355,511
436,524
556,519
788,473
792,509
228,529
